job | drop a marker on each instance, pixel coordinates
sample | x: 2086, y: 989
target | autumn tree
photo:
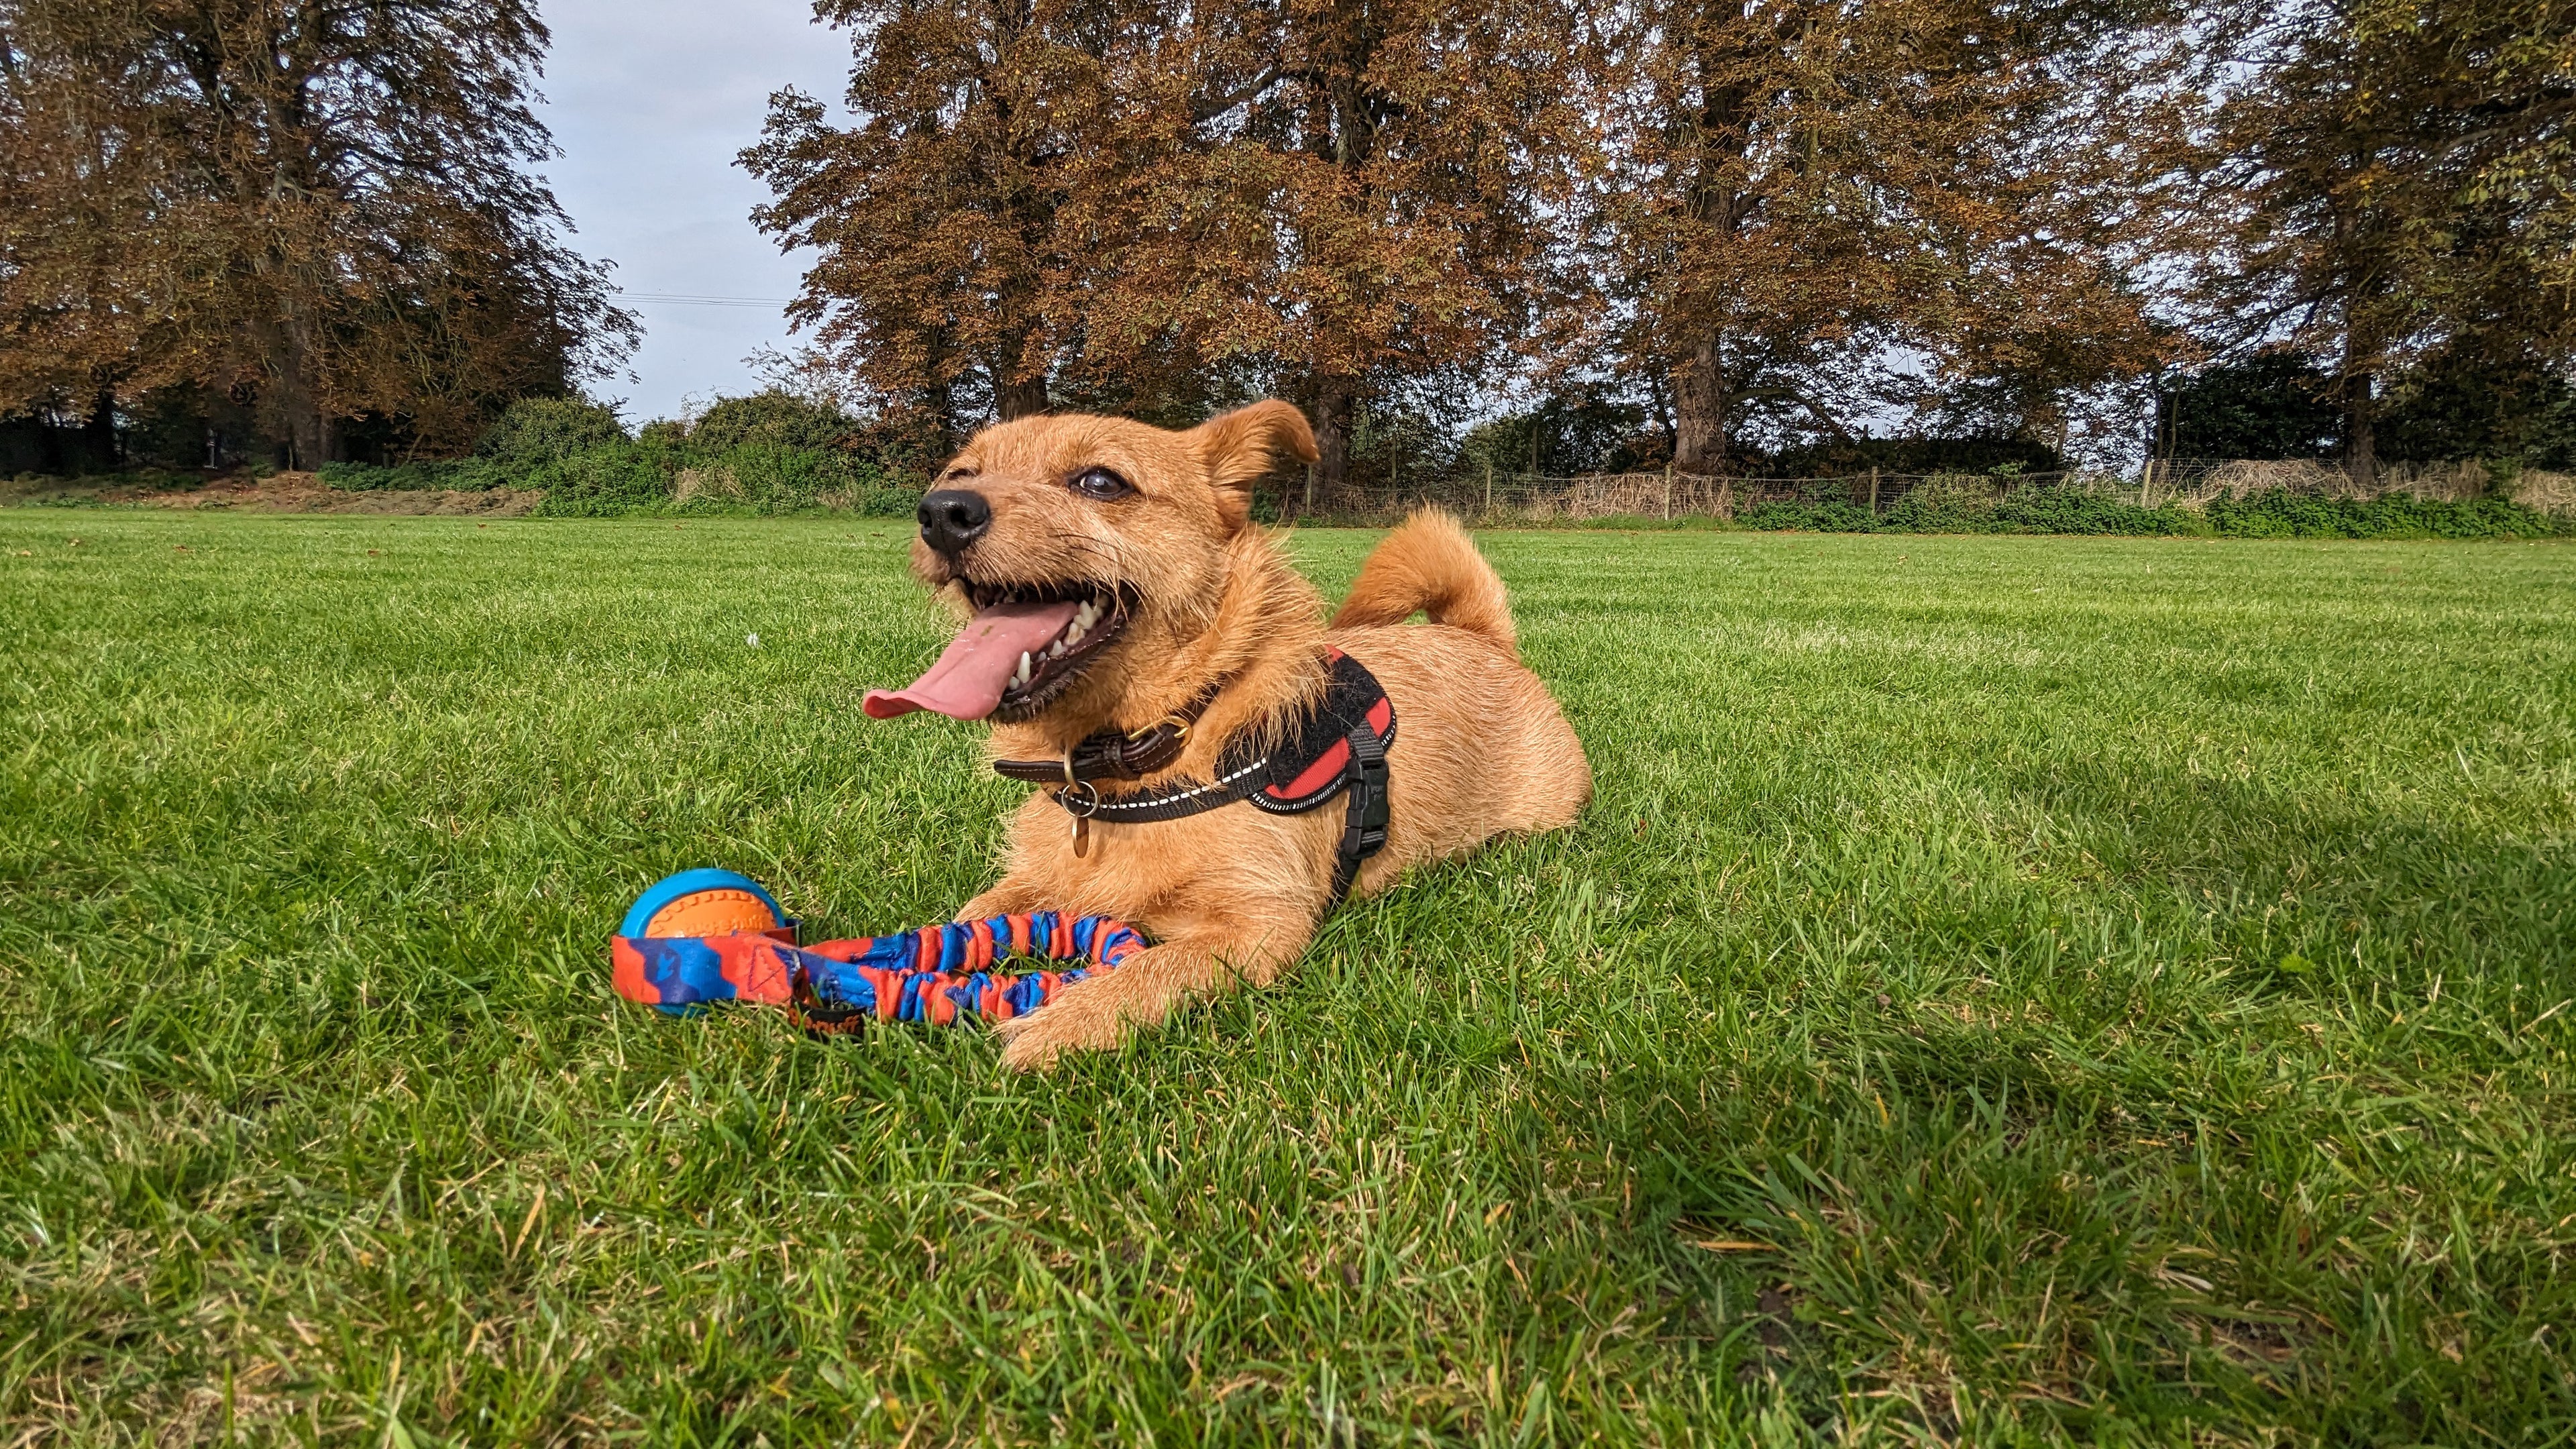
x: 1351, y: 194
x: 1137, y: 197
x: 323, y: 203
x: 84, y: 309
x: 942, y: 264
x: 2398, y: 185
x: 1801, y: 194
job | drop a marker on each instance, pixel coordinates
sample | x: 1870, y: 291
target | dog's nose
x: 952, y: 518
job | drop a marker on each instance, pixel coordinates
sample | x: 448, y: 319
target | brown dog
x: 1113, y: 579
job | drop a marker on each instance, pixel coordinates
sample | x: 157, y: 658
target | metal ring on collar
x: 1090, y: 802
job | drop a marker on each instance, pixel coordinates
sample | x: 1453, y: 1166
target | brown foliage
x: 2395, y: 179
x: 1356, y: 194
x: 1149, y: 203
x: 1155, y: 206
x: 321, y: 204
x: 1794, y: 188
x: 936, y: 214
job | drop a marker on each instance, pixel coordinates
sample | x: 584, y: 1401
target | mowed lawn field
x: 2007, y: 990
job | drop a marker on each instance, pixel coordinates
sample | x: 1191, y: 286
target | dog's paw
x: 1032, y: 1043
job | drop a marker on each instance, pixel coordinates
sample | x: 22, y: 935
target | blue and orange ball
x: 706, y: 902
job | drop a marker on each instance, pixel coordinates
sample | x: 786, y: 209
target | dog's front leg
x: 1010, y: 897
x: 1206, y: 957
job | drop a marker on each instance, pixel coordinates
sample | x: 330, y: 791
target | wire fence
x: 1670, y: 495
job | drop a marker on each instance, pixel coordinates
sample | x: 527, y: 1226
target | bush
x: 2283, y: 514
x: 465, y: 473
x: 1970, y: 506
x: 773, y: 419
x: 2275, y: 514
x: 765, y: 478
x: 2073, y: 510
x: 537, y: 431
x: 768, y: 453
x: 604, y: 482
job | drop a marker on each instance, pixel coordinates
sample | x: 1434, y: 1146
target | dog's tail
x: 1430, y: 566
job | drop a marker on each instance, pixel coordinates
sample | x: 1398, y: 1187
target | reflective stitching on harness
x: 1337, y: 746
x: 1156, y: 802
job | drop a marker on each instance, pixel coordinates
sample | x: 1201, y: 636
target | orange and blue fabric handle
x: 937, y: 974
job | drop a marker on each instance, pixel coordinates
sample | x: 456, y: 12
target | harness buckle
x: 1374, y: 817
x: 1366, y: 814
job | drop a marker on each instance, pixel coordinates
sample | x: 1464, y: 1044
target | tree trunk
x: 940, y: 402
x: 98, y: 434
x: 299, y: 412
x: 2360, y: 444
x: 303, y: 417
x: 1334, y: 397
x: 1022, y: 399
x: 2355, y: 374
x: 1700, y: 404
x: 939, y: 397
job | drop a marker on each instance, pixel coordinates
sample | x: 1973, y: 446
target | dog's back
x: 1481, y: 747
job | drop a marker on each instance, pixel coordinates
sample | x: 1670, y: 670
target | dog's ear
x: 1238, y: 449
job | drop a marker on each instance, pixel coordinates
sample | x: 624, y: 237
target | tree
x: 1801, y: 192
x: 942, y: 261
x: 2271, y: 405
x: 1159, y: 204
x: 1359, y: 195
x: 321, y: 202
x: 2398, y: 181
x: 2485, y: 404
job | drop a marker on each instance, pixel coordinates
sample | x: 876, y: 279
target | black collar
x: 1336, y: 744
x: 1116, y: 754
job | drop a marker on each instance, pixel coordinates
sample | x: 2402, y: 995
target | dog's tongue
x: 969, y: 679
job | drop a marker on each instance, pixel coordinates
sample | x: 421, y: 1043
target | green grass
x: 2121, y: 985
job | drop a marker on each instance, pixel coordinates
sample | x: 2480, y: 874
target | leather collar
x: 1115, y: 754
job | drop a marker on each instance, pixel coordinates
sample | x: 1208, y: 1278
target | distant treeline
x: 1727, y: 238
x: 775, y: 452
x: 768, y: 453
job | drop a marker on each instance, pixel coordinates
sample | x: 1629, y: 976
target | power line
x: 688, y: 299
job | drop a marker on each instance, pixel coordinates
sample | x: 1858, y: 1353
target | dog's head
x: 1087, y: 550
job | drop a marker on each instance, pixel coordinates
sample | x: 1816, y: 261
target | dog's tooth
x: 1023, y: 676
x: 1056, y: 650
x: 1086, y: 616
x: 1073, y: 635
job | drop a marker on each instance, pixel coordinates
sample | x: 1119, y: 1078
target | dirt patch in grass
x: 277, y: 493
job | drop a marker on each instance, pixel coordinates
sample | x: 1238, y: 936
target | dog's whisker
x: 1117, y: 581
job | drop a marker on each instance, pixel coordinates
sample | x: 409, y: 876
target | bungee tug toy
x: 707, y: 936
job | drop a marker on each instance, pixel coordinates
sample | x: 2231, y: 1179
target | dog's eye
x: 1100, y: 484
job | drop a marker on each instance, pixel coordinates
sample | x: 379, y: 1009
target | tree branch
x: 1215, y: 106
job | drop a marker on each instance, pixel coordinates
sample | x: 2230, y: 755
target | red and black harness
x: 1336, y: 747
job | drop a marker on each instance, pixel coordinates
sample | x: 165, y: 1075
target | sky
x: 649, y: 100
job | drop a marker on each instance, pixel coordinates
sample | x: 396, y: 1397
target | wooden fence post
x: 1489, y: 487
x: 1873, y: 489
x: 1668, y: 493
